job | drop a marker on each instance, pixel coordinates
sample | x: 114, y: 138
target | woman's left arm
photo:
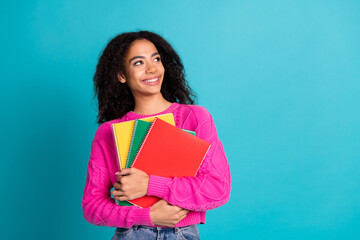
x: 210, y: 188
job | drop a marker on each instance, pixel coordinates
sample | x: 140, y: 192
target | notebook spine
x: 131, y: 143
x: 117, y: 147
x: 142, y: 145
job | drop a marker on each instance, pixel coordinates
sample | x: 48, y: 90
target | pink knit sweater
x: 209, y: 189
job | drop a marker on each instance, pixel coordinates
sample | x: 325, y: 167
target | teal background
x: 281, y: 79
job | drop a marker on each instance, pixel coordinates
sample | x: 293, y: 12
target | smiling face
x: 144, y: 71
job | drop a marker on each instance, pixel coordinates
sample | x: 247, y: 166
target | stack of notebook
x: 155, y: 146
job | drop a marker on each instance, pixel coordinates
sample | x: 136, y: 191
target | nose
x: 151, y: 68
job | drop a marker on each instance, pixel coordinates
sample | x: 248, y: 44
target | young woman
x: 140, y: 75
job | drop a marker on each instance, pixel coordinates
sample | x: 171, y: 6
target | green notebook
x: 123, y: 203
x: 139, y: 133
x: 191, y: 132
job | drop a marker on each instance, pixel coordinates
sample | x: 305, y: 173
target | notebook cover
x: 139, y: 133
x: 191, y: 132
x: 122, y: 135
x: 123, y: 203
x: 168, y: 151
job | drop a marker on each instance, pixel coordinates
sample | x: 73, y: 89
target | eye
x: 137, y: 63
x: 157, y: 59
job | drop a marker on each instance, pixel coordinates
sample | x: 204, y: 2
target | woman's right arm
x: 99, y: 207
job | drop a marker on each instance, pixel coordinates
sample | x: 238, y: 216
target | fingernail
x: 117, y: 173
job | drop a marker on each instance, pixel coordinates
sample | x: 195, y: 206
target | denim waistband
x: 158, y: 229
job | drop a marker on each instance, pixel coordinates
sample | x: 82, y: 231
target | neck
x: 151, y: 105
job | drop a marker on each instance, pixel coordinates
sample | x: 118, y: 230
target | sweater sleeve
x: 98, y: 206
x: 210, y: 188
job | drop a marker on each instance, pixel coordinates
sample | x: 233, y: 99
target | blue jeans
x: 158, y: 233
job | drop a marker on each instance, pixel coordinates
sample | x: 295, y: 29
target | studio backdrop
x: 280, y: 78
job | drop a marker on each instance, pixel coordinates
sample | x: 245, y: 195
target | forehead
x: 141, y: 47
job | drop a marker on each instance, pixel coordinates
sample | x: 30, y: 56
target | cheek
x: 135, y: 75
x: 162, y: 69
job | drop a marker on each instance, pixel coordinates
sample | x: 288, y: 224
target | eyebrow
x: 136, y: 57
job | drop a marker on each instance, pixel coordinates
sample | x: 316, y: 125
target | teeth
x: 151, y: 80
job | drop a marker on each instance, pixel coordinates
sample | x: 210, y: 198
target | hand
x: 132, y: 183
x: 164, y: 214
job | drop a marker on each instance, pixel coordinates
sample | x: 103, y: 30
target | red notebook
x: 168, y: 151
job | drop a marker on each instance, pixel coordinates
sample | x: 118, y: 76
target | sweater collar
x: 132, y: 115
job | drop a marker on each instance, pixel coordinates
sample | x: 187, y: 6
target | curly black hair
x: 116, y: 99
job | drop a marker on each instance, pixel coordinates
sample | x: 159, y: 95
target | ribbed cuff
x: 142, y: 217
x: 192, y: 218
x: 158, y: 186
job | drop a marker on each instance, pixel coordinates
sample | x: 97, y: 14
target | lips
x: 151, y: 81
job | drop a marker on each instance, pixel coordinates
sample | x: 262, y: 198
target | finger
x: 181, y: 218
x: 113, y: 193
x: 118, y: 176
x: 116, y: 193
x: 126, y: 171
x: 122, y: 198
x: 117, y: 186
x: 176, y: 208
x: 184, y: 212
x: 117, y: 198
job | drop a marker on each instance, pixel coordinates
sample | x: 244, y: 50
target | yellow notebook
x: 122, y: 134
